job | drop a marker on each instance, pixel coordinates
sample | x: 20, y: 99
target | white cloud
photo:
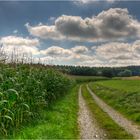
x: 44, y: 31
x: 79, y: 49
x: 21, y: 50
x: 119, y: 54
x: 107, y: 54
x: 76, y: 53
x: 113, y: 24
x: 56, y: 51
x: 19, y: 47
x: 111, y: 54
x: 18, y: 41
x: 114, y: 50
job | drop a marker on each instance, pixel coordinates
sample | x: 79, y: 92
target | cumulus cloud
x: 117, y: 23
x: 115, y: 50
x: 76, y: 53
x: 119, y: 54
x: 59, y: 51
x: 19, y: 45
x: 79, y: 49
x: 44, y: 31
x: 136, y: 48
x: 112, y: 24
x: 107, y: 54
x: 56, y: 51
x: 18, y: 41
x: 76, y: 28
x: 112, y: 54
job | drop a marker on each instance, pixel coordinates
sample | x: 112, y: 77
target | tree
x: 125, y: 73
x: 107, y: 72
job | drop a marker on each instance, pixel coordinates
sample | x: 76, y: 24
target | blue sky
x: 14, y: 14
x: 58, y: 32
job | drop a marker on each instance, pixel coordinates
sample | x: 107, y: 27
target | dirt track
x: 89, y: 128
x: 117, y: 117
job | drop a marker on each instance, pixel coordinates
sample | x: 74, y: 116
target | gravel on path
x: 89, y: 128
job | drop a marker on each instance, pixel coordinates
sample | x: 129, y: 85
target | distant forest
x: 100, y: 71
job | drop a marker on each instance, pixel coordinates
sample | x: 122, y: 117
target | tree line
x: 100, y: 71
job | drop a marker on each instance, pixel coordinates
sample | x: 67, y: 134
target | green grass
x: 60, y: 122
x: 125, y: 85
x: 123, y: 95
x: 81, y: 79
x: 112, y: 130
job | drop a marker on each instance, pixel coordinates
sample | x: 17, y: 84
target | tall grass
x: 57, y: 122
x: 25, y: 91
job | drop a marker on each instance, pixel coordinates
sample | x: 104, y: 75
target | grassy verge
x: 112, y: 130
x: 122, y: 95
x: 58, y: 122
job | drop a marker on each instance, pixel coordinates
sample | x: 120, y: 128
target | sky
x: 84, y: 32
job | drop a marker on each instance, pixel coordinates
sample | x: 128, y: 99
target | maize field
x: 26, y: 90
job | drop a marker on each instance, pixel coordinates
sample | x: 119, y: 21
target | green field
x: 125, y: 85
x: 123, y: 95
x: 113, y: 130
x: 81, y: 79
